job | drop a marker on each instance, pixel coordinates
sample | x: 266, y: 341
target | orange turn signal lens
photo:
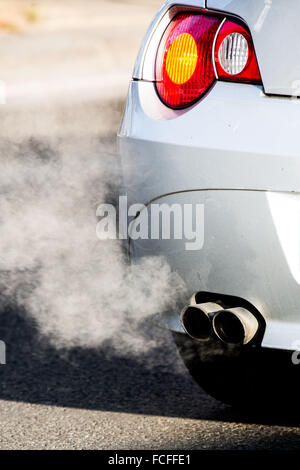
x: 184, y: 67
x: 181, y: 60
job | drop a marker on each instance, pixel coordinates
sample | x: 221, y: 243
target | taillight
x: 193, y: 49
x: 235, y: 57
x: 184, y: 69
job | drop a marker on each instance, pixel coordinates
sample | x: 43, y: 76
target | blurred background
x: 60, y: 50
x: 72, y: 44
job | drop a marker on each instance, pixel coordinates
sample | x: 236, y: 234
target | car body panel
x: 237, y: 152
x: 274, y: 25
x: 235, y: 137
x: 248, y: 239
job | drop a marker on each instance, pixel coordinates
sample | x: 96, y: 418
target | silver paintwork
x: 235, y: 137
x: 242, y: 256
x: 274, y: 25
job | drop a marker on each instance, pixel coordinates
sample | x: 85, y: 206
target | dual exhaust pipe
x: 232, y: 326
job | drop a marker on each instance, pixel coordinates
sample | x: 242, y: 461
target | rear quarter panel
x: 274, y: 25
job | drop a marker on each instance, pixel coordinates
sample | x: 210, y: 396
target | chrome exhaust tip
x: 193, y: 300
x: 196, y: 320
x: 235, y: 325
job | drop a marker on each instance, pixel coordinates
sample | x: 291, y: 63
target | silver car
x: 212, y: 120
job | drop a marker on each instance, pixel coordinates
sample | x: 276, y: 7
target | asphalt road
x: 100, y: 397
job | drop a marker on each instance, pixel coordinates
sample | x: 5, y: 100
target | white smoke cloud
x: 79, y: 290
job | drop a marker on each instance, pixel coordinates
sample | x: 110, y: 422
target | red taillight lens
x: 235, y: 57
x: 184, y: 67
x: 192, y: 48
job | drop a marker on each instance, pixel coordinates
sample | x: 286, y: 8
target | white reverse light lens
x: 233, y: 53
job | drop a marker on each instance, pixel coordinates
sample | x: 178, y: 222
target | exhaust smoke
x: 79, y: 290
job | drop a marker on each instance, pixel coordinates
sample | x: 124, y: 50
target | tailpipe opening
x: 197, y: 320
x: 235, y: 325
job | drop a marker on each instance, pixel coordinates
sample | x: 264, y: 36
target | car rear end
x: 212, y: 119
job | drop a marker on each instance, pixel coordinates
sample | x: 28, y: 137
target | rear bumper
x: 237, y: 153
